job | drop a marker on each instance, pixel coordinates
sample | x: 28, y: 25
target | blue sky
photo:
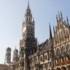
x: 12, y: 14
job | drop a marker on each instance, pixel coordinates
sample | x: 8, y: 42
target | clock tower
x: 28, y: 44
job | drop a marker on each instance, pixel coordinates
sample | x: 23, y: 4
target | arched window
x: 41, y: 58
x: 58, y: 53
x: 63, y: 51
x: 45, y: 56
x: 67, y: 47
x: 55, y: 53
x: 68, y: 51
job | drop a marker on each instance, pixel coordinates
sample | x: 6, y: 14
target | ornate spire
x: 67, y: 20
x: 28, y: 4
x: 50, y: 31
x: 53, y: 29
x: 33, y: 20
x: 28, y: 13
x: 59, y: 17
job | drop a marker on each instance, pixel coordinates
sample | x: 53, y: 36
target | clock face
x: 24, y: 29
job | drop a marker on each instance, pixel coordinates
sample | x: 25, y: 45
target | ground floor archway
x: 58, y: 69
x: 63, y: 68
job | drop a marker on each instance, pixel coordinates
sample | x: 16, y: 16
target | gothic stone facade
x: 53, y: 54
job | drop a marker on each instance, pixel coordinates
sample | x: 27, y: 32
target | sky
x: 12, y: 14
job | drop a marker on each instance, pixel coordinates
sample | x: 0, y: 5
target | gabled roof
x: 45, y: 46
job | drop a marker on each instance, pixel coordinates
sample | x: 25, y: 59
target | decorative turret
x: 53, y: 30
x: 59, y: 17
x: 28, y: 15
x: 8, y: 55
x: 67, y: 20
x: 50, y: 32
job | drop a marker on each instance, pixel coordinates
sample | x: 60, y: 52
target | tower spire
x: 28, y: 6
x: 28, y: 3
x: 28, y: 13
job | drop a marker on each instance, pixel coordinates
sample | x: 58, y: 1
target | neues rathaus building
x: 53, y: 54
